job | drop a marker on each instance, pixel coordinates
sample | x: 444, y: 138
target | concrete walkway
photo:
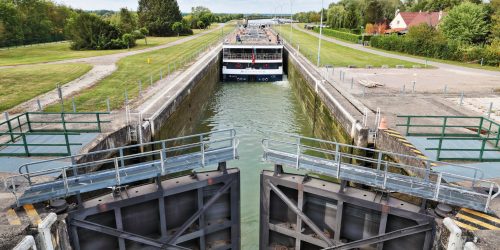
x: 448, y: 67
x: 103, y: 66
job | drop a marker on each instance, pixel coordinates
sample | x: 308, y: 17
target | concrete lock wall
x: 341, y: 109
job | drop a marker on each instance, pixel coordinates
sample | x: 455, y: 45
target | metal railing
x: 249, y: 56
x: 14, y: 132
x: 481, y: 149
x: 482, y: 130
x: 127, y: 164
x: 453, y: 126
x: 348, y: 162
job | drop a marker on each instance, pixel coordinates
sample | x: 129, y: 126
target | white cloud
x: 225, y: 6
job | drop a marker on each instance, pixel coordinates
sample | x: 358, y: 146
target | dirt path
x: 103, y: 66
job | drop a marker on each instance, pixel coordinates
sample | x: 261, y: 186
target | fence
x: 128, y: 164
x: 16, y: 131
x: 352, y: 163
x: 479, y: 134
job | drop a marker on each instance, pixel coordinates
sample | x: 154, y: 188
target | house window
x: 397, y: 22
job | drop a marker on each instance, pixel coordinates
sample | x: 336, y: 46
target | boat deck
x: 253, y: 35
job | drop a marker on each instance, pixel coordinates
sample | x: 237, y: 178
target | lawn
x: 468, y: 65
x: 334, y: 54
x: 134, y: 68
x: 23, y: 83
x: 61, y: 51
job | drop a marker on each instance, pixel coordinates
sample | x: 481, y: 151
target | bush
x: 354, y: 38
x: 436, y: 46
x: 88, y: 31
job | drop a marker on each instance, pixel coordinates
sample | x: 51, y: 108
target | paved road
x: 103, y: 66
x: 443, y: 66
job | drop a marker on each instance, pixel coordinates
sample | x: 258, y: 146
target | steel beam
x: 384, y: 237
x: 304, y: 217
x: 124, y: 235
x: 200, y: 211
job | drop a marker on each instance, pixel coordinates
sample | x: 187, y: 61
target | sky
x: 217, y: 6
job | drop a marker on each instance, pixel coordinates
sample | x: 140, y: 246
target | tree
x: 89, y: 31
x: 145, y: 32
x: 125, y: 20
x: 374, y: 12
x: 158, y: 16
x: 177, y: 28
x: 466, y: 23
x: 10, y: 25
x: 336, y: 16
x: 495, y: 18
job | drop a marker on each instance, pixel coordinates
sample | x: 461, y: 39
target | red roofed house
x: 405, y: 20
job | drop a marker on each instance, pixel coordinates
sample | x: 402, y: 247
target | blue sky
x: 228, y: 6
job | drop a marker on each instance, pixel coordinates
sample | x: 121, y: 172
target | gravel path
x: 103, y: 66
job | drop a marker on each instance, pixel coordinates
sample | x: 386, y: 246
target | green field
x: 134, y: 68
x: 468, y: 65
x: 61, y: 51
x: 21, y: 84
x: 334, y: 54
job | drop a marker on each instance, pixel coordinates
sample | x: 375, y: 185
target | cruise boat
x: 253, y: 53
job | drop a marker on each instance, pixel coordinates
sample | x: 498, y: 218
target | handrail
x: 339, y: 158
x: 220, y: 144
x: 73, y: 157
x: 443, y: 122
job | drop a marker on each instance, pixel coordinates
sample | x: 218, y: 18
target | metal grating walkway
x: 293, y: 151
x: 172, y: 156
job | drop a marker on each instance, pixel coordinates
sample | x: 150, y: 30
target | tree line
x: 469, y: 30
x: 36, y: 21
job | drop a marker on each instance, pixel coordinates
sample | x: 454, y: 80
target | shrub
x: 354, y: 38
x: 436, y: 46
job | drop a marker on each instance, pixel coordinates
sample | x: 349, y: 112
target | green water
x: 251, y: 108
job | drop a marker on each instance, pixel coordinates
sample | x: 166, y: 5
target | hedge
x: 440, y: 49
x: 354, y: 38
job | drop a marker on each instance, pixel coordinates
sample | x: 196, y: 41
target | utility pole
x: 291, y: 22
x: 320, y: 36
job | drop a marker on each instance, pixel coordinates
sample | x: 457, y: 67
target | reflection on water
x: 251, y: 108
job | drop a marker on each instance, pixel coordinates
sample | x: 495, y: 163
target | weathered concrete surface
x: 347, y: 111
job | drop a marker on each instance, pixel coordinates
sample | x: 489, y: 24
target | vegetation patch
x: 21, y: 84
x: 136, y: 68
x: 334, y: 54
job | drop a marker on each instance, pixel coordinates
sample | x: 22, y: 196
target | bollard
x: 44, y: 237
x: 108, y: 107
x: 73, y: 104
x: 445, y: 89
x: 161, y: 74
x: 352, y: 82
x: 490, y: 109
x: 403, y: 89
x: 413, y: 89
x: 462, y: 99
x: 482, y: 59
x: 140, y: 88
x: 39, y: 104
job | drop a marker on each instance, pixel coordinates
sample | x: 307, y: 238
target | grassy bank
x: 334, y: 54
x: 21, y: 84
x: 61, y: 51
x: 468, y: 65
x: 134, y: 68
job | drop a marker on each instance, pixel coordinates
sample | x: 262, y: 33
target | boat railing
x: 249, y: 56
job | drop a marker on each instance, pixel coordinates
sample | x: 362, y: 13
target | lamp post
x: 320, y: 35
x: 291, y: 22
